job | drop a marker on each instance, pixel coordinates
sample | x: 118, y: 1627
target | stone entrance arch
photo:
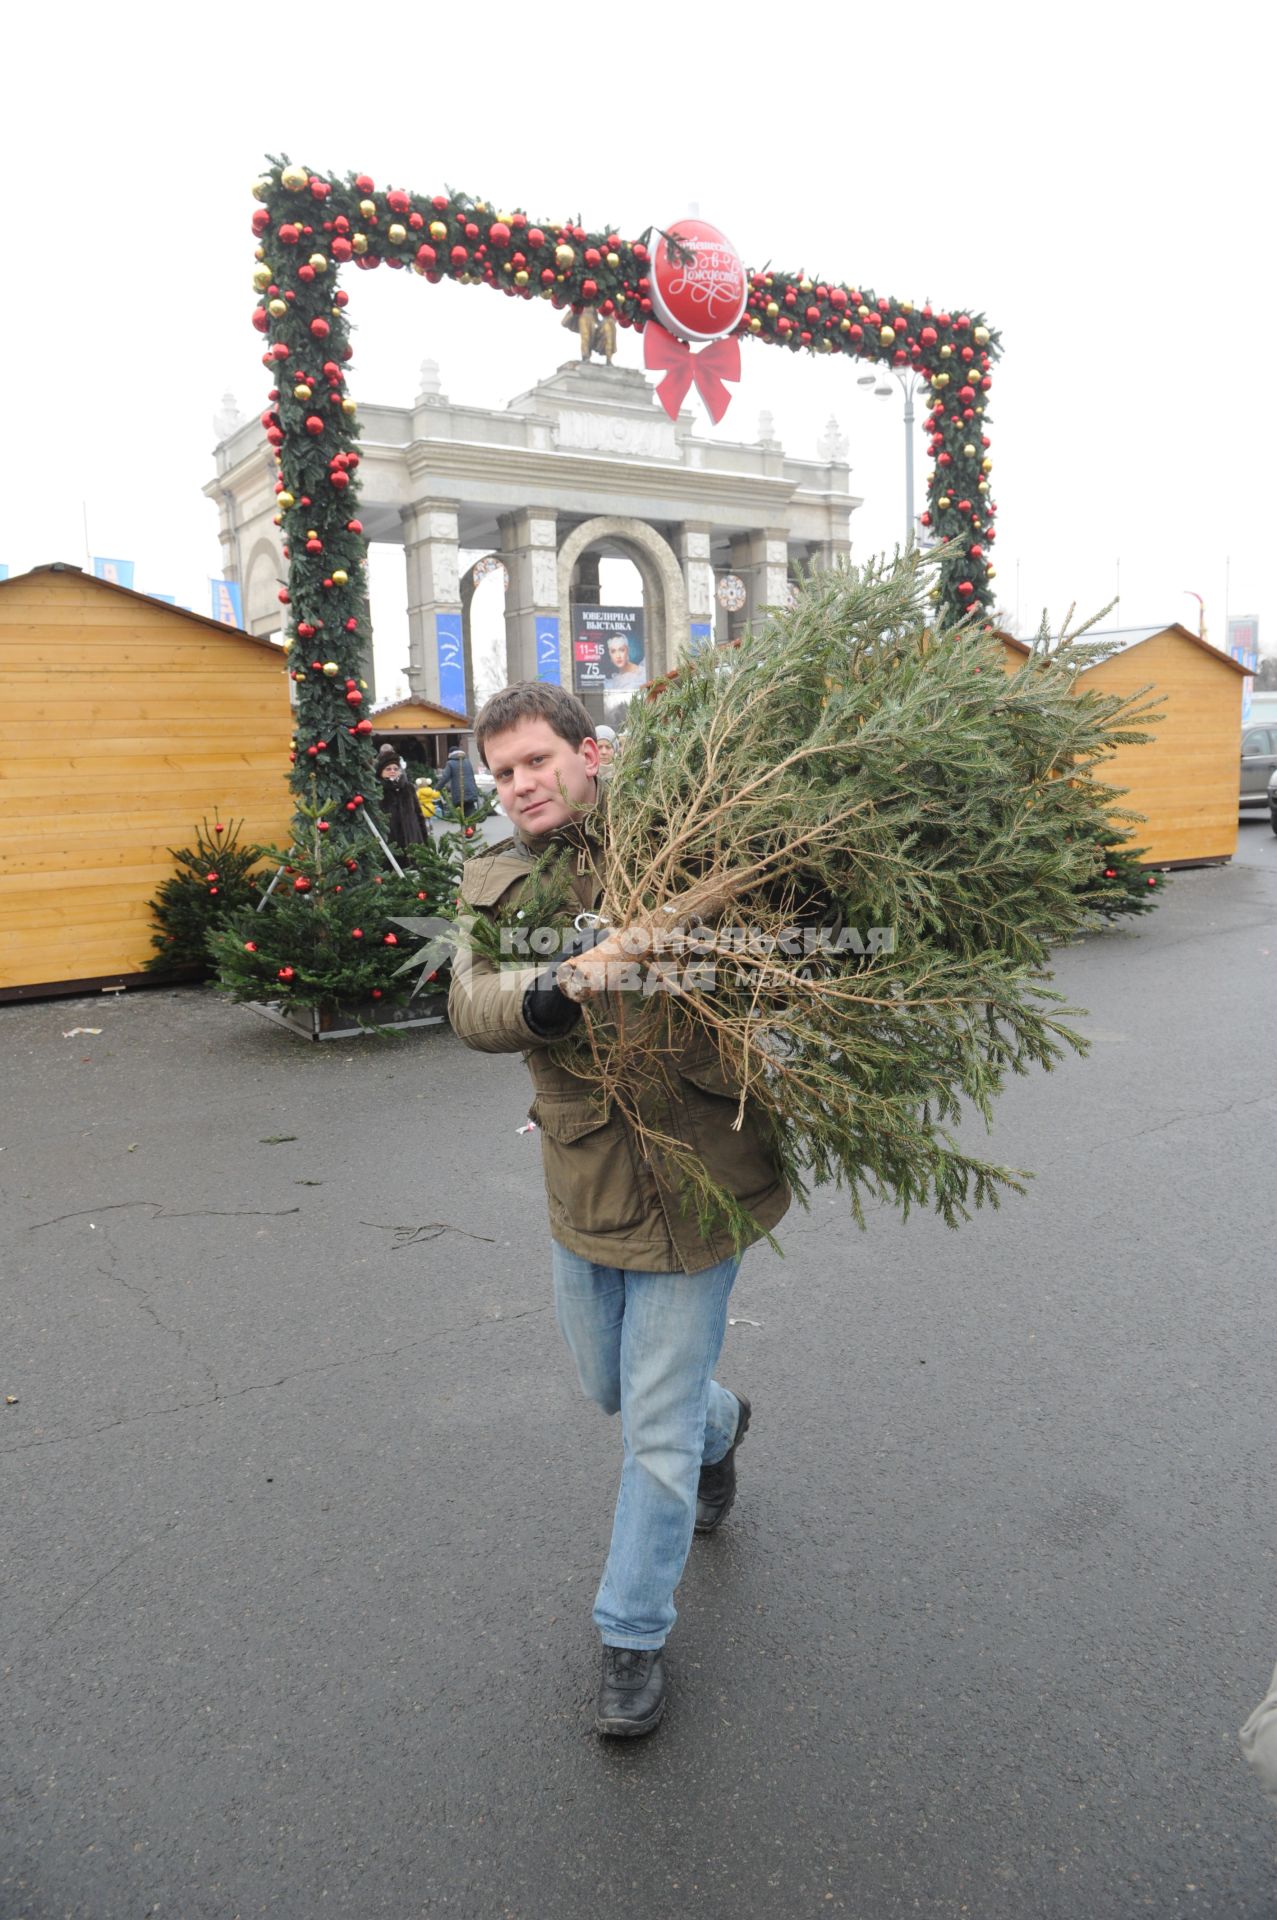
x: 664, y: 594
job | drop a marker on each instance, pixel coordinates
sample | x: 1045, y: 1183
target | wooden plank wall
x: 124, y: 725
x: 1185, y: 779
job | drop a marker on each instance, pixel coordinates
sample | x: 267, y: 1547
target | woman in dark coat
x: 405, y: 825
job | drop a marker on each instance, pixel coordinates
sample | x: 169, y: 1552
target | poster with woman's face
x: 609, y: 655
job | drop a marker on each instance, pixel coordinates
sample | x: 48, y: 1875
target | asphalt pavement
x: 303, y: 1512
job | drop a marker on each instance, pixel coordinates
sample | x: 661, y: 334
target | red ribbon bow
x: 719, y: 361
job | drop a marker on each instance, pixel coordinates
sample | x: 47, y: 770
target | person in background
x: 606, y: 737
x: 459, y: 784
x: 404, y: 824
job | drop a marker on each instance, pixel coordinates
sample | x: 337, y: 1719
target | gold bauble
x: 981, y: 336
x: 340, y: 576
x: 319, y: 261
x: 943, y: 501
x: 364, y: 683
x: 942, y: 379
x: 986, y: 465
x: 906, y: 306
x: 438, y: 231
x: 261, y: 188
x: 301, y: 393
x: 296, y: 179
x: 521, y: 277
x: 368, y: 208
x: 259, y: 253
x: 278, y: 307
x: 359, y: 242
x: 396, y: 234
x: 262, y: 277
x: 614, y: 259
x: 969, y: 451
x: 886, y: 335
x: 863, y: 312
x: 755, y: 324
x: 348, y: 405
x: 330, y: 666
x: 845, y: 326
x: 772, y: 309
x: 804, y: 286
x: 286, y: 501
x: 982, y: 486
x: 946, y: 353
x: 991, y: 573
x: 565, y: 255
x: 277, y: 519
x: 288, y: 643
x: 312, y: 533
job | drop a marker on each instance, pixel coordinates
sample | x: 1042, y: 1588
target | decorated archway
x: 310, y: 225
x: 664, y: 595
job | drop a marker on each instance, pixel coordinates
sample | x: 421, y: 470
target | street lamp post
x: 907, y: 379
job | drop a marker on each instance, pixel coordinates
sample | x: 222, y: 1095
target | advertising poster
x: 609, y: 656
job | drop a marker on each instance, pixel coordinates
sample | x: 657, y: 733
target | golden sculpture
x: 596, y: 332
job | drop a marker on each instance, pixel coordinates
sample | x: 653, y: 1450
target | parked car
x: 1272, y: 801
x: 1259, y: 762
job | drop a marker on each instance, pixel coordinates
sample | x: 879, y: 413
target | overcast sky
x: 1091, y: 178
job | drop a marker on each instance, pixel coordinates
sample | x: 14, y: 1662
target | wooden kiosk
x: 127, y: 721
x: 1185, y: 780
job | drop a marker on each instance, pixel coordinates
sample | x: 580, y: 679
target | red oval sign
x: 699, y: 287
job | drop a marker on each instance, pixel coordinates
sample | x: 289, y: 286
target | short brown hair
x: 533, y: 700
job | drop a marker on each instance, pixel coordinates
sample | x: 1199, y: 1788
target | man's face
x: 542, y: 780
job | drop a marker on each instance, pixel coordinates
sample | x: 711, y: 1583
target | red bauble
x: 314, y: 424
x: 354, y: 526
x: 261, y: 319
x: 342, y: 248
x: 301, y: 884
x: 976, y: 552
x: 364, y: 182
x: 588, y: 289
x: 283, y: 596
x: 289, y: 235
x: 426, y: 256
x: 391, y: 940
x: 375, y: 994
x: 469, y: 833
x: 928, y: 336
x: 250, y: 946
x: 356, y: 933
x: 398, y: 201
x: 499, y: 233
x: 458, y: 256
x: 965, y: 588
x: 285, y: 973
x: 320, y: 327
x: 339, y: 479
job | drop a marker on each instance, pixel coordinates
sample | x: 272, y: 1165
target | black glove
x: 549, y: 1013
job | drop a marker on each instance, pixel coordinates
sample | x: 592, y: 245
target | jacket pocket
x: 591, y: 1175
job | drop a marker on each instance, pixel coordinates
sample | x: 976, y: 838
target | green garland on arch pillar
x: 310, y: 225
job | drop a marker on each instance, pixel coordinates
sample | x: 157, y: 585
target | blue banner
x: 118, y: 572
x: 452, y: 669
x: 547, y: 630
x: 4, y: 569
x: 227, y: 609
x: 702, y: 634
x: 169, y: 599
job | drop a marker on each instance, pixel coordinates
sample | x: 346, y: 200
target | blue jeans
x: 645, y: 1345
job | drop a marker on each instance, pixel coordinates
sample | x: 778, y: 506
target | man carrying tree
x: 641, y: 1288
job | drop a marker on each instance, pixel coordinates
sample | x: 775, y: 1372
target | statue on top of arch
x: 596, y: 332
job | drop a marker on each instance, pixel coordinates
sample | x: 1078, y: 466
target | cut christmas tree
x: 843, y: 851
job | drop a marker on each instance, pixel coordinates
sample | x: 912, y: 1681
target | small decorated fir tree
x: 213, y: 881
x: 325, y: 934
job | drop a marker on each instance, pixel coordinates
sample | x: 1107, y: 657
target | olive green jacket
x: 608, y: 1203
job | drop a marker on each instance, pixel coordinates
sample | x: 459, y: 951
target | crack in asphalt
x: 93, y: 1585
x: 163, y: 1213
x: 218, y: 1396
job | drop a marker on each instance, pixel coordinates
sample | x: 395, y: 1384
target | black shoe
x: 717, y: 1488
x: 631, y: 1692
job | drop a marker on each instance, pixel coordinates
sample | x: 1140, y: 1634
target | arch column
x: 534, y: 633
x: 436, y: 655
